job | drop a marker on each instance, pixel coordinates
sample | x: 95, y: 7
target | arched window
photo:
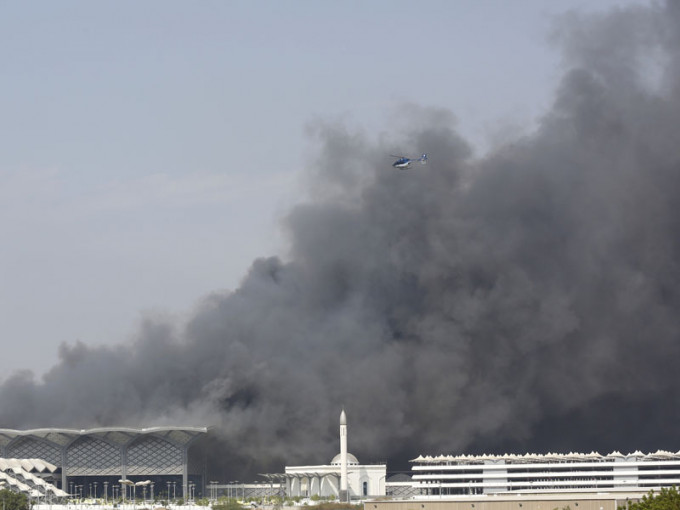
x: 365, y: 489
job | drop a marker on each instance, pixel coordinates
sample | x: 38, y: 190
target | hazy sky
x: 148, y: 150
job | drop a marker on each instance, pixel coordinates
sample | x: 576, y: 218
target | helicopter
x: 404, y: 162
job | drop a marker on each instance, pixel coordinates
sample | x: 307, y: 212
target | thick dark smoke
x: 527, y: 300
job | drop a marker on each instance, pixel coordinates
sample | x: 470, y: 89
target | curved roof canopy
x: 120, y: 435
x: 30, y: 465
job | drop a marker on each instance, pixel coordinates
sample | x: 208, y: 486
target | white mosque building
x: 344, y: 478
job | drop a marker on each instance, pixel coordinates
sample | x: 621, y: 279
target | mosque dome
x: 351, y: 460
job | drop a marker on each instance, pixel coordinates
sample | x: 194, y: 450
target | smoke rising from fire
x: 525, y: 300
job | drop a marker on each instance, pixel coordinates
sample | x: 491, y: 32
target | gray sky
x: 149, y: 150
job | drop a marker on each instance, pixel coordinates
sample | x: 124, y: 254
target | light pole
x: 213, y: 485
x: 125, y: 482
x: 106, y: 492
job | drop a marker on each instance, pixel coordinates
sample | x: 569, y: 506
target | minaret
x: 343, y: 457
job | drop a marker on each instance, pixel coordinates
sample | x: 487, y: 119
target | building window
x: 365, y: 488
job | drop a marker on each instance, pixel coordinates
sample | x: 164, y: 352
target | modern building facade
x: 447, y: 475
x: 92, y: 463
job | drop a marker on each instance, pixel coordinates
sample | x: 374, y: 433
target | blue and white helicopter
x: 404, y: 162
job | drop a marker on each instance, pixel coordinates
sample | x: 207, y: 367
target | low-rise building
x: 447, y: 475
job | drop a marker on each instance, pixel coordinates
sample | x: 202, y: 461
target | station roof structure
x: 180, y: 436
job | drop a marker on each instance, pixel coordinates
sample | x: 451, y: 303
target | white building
x: 325, y: 480
x: 574, y: 472
x: 361, y: 481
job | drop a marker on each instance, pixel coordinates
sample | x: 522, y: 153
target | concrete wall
x: 575, y: 502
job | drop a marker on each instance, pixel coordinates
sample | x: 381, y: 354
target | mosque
x: 344, y: 478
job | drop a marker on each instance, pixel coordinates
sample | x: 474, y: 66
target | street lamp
x: 106, y: 492
x: 142, y: 484
x: 124, y: 482
x: 213, y: 490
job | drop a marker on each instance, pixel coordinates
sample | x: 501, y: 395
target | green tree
x: 667, y: 499
x: 13, y: 500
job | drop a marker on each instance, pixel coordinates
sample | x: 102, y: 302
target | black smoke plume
x: 524, y: 300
